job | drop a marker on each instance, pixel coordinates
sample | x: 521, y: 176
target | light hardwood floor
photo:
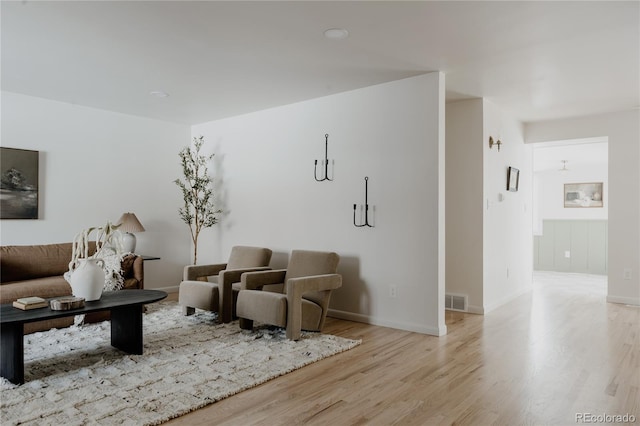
x: 542, y: 359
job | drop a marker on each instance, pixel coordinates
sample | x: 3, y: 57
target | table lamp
x: 129, y: 223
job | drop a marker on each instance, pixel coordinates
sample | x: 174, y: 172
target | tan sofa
x: 37, y: 270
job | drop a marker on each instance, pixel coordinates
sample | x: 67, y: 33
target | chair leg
x: 224, y: 317
x: 294, y: 316
x: 246, y: 324
x: 233, y: 305
x: 293, y: 332
x: 187, y: 310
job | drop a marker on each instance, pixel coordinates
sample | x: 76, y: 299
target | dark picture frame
x: 18, y: 183
x: 513, y: 179
x: 584, y: 195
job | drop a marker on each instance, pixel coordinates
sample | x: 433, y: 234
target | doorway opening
x: 570, y: 212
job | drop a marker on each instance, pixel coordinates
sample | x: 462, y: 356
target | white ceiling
x: 583, y: 154
x: 538, y: 60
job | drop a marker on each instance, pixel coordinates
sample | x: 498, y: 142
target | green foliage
x: 199, y: 211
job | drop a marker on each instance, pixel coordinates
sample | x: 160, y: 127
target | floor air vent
x: 455, y: 302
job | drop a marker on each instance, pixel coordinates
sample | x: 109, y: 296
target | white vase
x: 87, y: 280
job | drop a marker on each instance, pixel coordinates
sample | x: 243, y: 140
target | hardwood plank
x: 541, y: 359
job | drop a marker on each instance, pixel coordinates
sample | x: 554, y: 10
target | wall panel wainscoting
x: 572, y: 246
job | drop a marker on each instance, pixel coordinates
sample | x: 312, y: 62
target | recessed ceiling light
x: 159, y: 93
x: 336, y: 33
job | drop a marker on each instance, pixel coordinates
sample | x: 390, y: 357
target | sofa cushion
x: 266, y: 307
x: 42, y: 287
x: 37, y: 261
x: 32, y: 327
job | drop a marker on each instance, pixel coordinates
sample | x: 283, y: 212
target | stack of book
x: 27, y: 303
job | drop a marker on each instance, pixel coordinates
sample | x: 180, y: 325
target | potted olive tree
x: 198, y: 211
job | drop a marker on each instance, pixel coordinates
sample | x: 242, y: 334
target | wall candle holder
x: 494, y: 142
x: 326, y: 162
x: 366, y: 207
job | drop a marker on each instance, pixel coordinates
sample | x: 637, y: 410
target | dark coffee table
x: 126, y: 308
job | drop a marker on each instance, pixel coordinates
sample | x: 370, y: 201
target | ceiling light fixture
x: 159, y: 93
x: 336, y: 33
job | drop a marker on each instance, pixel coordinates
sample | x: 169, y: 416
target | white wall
x: 508, y: 240
x: 623, y: 132
x: 489, y: 242
x: 549, y: 202
x: 392, y: 133
x: 94, y: 166
x: 464, y: 165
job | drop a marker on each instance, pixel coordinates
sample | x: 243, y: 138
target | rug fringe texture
x: 73, y: 376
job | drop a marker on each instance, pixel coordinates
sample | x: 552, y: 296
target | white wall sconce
x: 496, y: 142
x: 365, y: 207
x: 324, y: 162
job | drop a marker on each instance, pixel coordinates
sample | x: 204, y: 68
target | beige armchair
x: 302, y: 305
x: 215, y: 294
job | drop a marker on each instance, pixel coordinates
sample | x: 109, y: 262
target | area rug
x: 74, y: 377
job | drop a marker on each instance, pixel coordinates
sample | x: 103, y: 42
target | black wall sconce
x: 366, y: 207
x: 496, y: 142
x: 326, y: 162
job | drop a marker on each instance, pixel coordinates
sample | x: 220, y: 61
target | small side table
x: 146, y: 257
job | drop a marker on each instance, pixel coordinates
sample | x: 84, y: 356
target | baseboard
x: 506, y: 299
x: 475, y: 309
x: 366, y: 319
x: 634, y: 301
x: 172, y: 289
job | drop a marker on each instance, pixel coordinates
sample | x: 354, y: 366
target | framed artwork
x: 582, y: 195
x: 513, y: 179
x: 18, y: 183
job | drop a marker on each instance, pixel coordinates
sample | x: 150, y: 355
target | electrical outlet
x: 567, y: 254
x: 393, y: 291
x: 626, y: 273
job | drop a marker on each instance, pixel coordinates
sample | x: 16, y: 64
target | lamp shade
x: 130, y: 223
